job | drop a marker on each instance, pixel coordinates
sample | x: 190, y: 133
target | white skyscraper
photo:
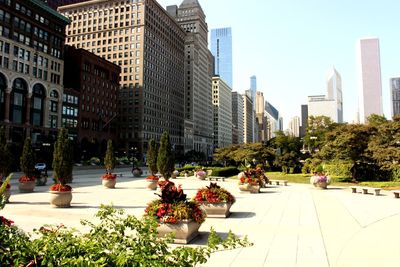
x: 294, y: 126
x: 369, y: 76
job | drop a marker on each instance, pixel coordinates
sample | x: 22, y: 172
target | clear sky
x: 291, y: 45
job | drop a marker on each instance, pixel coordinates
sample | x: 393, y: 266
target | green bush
x: 395, y: 174
x: 117, y: 240
x: 338, y: 168
x: 188, y: 167
x: 224, y: 171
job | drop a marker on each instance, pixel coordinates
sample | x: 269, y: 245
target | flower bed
x: 25, y: 179
x: 109, y: 176
x: 214, y: 194
x: 60, y: 188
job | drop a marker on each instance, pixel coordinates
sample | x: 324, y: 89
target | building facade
x: 221, y: 48
x: 32, y: 40
x: 304, y: 120
x: 248, y: 118
x: 198, y: 74
x: 294, y: 126
x: 261, y: 120
x: 222, y: 101
x: 237, y: 118
x: 56, y: 3
x: 369, y: 78
x: 272, y: 115
x: 395, y: 95
x: 91, y: 86
x: 148, y: 45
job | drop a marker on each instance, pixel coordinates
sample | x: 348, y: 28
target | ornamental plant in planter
x: 216, y: 201
x: 152, y: 179
x: 27, y: 164
x: 175, y: 213
x: 252, y: 180
x: 165, y: 157
x: 60, y: 192
x: 200, y: 174
x: 109, y: 180
x: 320, y: 180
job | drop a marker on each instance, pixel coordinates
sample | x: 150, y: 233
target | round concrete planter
x: 321, y: 185
x: 184, y: 231
x: 174, y: 174
x: 254, y: 189
x: 26, y: 187
x: 216, y: 210
x: 60, y: 199
x: 109, y: 183
x: 152, y: 184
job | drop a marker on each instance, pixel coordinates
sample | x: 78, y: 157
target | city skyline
x: 291, y: 46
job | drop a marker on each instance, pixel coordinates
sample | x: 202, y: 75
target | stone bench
x: 365, y: 190
x: 215, y: 178
x: 118, y: 174
x: 278, y: 182
x: 396, y: 193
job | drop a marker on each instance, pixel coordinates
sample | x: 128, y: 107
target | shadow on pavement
x: 241, y: 215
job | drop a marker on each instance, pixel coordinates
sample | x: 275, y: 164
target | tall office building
x: 369, y: 76
x: 198, y: 73
x: 32, y: 40
x: 148, y: 45
x: 221, y: 48
x: 331, y: 104
x: 222, y: 101
x: 237, y: 118
x: 260, y: 119
x: 294, y: 126
x: 248, y: 118
x: 395, y: 88
x: 56, y: 3
x: 272, y: 115
x: 304, y: 120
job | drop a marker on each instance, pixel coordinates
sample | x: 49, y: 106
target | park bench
x: 396, y: 193
x: 365, y: 190
x: 118, y: 174
x: 278, y: 182
x: 215, y: 178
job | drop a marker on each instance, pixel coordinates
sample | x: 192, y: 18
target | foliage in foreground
x: 118, y: 240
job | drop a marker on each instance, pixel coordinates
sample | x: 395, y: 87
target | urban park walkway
x: 293, y: 225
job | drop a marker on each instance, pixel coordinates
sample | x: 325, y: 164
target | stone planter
x: 7, y: 194
x: 174, y: 174
x: 109, y: 183
x: 216, y: 210
x: 184, y: 231
x: 321, y: 185
x: 201, y: 176
x: 152, y: 184
x: 254, y: 189
x: 26, y: 187
x: 60, y: 199
x: 136, y: 173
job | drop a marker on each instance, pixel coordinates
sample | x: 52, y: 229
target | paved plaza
x: 293, y: 225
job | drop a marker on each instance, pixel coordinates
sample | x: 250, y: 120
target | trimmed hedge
x: 224, y: 171
x: 338, y: 168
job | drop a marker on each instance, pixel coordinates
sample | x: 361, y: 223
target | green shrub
x: 188, y: 167
x: 395, y: 174
x: 224, y: 171
x: 117, y: 240
x: 338, y: 168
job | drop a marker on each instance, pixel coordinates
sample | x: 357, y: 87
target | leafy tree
x: 376, y: 120
x: 348, y: 143
x: 6, y: 158
x: 318, y: 127
x: 195, y: 156
x: 225, y: 154
x: 27, y: 160
x: 152, y: 156
x: 109, y: 159
x: 63, y: 158
x: 384, y: 146
x: 287, y: 151
x: 165, y: 159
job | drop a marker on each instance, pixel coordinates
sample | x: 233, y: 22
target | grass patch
x: 387, y: 185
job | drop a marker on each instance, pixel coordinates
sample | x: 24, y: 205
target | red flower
x: 109, y: 176
x: 152, y: 178
x: 60, y: 188
x: 5, y: 221
x: 25, y: 179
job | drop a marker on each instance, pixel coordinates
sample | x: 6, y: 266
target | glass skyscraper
x: 221, y: 48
